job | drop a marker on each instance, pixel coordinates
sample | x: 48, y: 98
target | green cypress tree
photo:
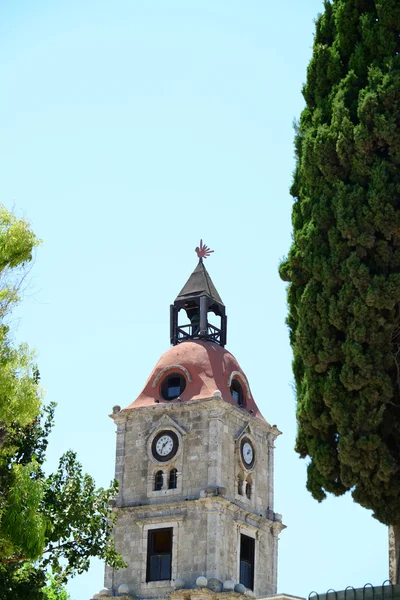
x: 344, y: 263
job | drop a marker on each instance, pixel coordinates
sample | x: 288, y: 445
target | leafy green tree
x: 73, y: 518
x: 20, y: 395
x: 48, y: 524
x: 28, y: 582
x: 55, y: 591
x: 344, y: 263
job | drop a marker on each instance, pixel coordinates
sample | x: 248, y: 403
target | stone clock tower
x: 195, y: 464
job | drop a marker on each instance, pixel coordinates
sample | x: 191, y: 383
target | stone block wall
x: 205, y: 510
x: 206, y: 534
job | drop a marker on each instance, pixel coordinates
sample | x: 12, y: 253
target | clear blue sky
x: 129, y: 130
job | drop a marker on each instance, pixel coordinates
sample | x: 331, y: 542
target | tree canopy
x: 55, y: 522
x: 343, y: 267
x: 20, y: 395
x: 49, y: 524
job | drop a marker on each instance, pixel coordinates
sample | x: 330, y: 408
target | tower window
x: 237, y: 392
x: 248, y: 489
x: 173, y: 479
x: 240, y: 485
x: 247, y: 545
x: 173, y: 386
x: 158, y: 481
x: 159, y: 554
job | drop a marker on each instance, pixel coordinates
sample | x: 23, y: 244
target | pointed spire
x: 199, y: 284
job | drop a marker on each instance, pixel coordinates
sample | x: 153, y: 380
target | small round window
x: 173, y: 386
x: 237, y: 392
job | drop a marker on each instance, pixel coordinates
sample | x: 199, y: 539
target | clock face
x: 165, y: 445
x: 247, y: 452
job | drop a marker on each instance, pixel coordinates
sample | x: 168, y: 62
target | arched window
x: 248, y: 489
x: 240, y: 484
x: 237, y: 392
x: 158, y: 481
x: 173, y: 386
x: 173, y: 479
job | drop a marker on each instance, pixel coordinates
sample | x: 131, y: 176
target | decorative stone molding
x: 201, y: 404
x: 165, y: 421
x: 119, y: 597
x: 282, y: 597
x: 244, y: 429
x: 154, y: 521
x: 119, y: 417
x: 178, y: 510
x: 205, y: 594
x: 238, y: 375
x: 277, y: 527
x: 172, y: 368
x: 175, y: 463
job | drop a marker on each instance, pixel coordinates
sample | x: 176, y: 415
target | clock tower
x: 195, y: 465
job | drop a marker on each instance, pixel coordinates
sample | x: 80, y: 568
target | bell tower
x: 195, y: 465
x: 198, y: 298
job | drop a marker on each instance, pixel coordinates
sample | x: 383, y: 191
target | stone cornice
x: 204, y: 594
x: 205, y: 403
x: 161, y: 519
x: 190, y: 594
x: 178, y: 510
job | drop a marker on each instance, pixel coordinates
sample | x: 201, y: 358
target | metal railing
x: 386, y: 591
x: 192, y: 332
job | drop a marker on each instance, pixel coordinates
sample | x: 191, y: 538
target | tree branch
x: 25, y: 558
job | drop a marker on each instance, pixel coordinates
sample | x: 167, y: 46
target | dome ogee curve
x: 207, y: 367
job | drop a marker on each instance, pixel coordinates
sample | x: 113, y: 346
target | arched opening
x: 173, y: 479
x: 237, y: 392
x: 158, y: 481
x: 248, y: 488
x: 214, y: 319
x: 189, y: 321
x: 215, y: 324
x: 173, y: 386
x: 240, y: 484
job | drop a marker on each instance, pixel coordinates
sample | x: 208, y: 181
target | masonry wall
x: 205, y: 510
x: 205, y: 542
x: 191, y: 462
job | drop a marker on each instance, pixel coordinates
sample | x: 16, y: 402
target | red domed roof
x: 207, y: 367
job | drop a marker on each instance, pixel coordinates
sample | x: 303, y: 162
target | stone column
x: 394, y: 552
x: 215, y: 449
x: 276, y: 528
x: 203, y: 315
x: 120, y: 457
x: 120, y: 421
x: 213, y: 542
x: 271, y: 447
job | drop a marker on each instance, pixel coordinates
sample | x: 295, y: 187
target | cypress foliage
x: 344, y: 263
